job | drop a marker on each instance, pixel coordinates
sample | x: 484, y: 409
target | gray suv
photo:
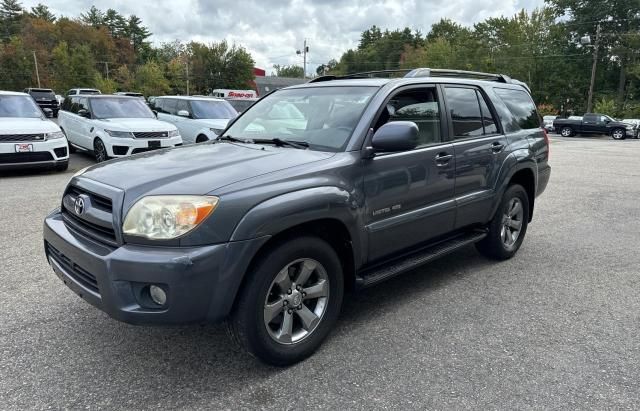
x: 317, y: 189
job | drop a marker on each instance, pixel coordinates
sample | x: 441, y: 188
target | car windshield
x: 212, y: 109
x: 120, y: 107
x: 90, y: 92
x: 322, y: 117
x: 19, y: 106
x: 48, y: 94
x: 241, y: 105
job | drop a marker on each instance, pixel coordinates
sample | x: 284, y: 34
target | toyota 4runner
x: 320, y: 188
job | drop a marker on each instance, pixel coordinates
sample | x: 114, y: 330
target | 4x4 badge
x: 78, y: 206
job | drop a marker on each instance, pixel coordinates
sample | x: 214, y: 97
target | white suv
x: 114, y: 126
x: 27, y: 138
x: 198, y: 118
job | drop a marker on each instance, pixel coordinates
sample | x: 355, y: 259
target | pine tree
x: 41, y: 11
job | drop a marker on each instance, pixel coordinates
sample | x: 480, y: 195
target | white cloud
x: 272, y: 30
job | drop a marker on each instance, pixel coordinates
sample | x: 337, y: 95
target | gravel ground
x: 555, y: 327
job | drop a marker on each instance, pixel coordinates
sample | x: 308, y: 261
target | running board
x: 405, y: 263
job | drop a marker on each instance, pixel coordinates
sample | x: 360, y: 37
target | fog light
x: 157, y: 295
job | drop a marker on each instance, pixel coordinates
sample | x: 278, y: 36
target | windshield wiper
x: 302, y: 145
x: 236, y: 140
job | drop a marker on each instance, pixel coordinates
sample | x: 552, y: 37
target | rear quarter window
x: 520, y: 106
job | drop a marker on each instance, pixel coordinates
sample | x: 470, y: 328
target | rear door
x: 85, y: 126
x: 480, y: 149
x: 591, y: 124
x: 409, y: 195
x: 71, y: 121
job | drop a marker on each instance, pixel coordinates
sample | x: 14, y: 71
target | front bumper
x: 45, y: 153
x: 122, y: 147
x: 200, y: 282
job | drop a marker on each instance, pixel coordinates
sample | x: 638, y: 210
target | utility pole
x: 593, y: 71
x: 35, y: 61
x: 106, y: 67
x: 187, y: 77
x: 304, y: 52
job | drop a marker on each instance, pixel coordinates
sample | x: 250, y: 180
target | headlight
x: 630, y: 127
x: 173, y: 133
x: 217, y: 131
x: 55, y: 134
x: 119, y: 134
x: 167, y: 217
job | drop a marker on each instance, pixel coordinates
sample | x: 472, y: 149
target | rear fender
x: 516, y: 161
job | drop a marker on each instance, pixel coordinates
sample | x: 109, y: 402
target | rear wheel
x: 508, y: 226
x: 289, y: 302
x: 100, y: 151
x: 566, y: 131
x: 618, y: 134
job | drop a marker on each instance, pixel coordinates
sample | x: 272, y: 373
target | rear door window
x: 169, y: 106
x: 521, y: 106
x: 464, y: 108
x: 182, y: 105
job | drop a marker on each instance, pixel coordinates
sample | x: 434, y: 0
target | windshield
x: 241, y: 105
x: 120, y: 108
x: 19, y: 106
x: 90, y: 92
x: 323, y: 117
x: 212, y: 109
x: 48, y: 94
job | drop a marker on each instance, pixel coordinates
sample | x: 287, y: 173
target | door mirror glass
x: 183, y: 113
x: 396, y: 136
x: 84, y: 113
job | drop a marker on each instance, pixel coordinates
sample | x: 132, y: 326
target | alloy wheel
x: 100, y: 151
x: 618, y: 134
x: 566, y: 132
x: 296, y: 301
x: 512, y: 222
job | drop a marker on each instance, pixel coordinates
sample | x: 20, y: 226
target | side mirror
x: 395, y: 136
x: 183, y: 113
x: 48, y: 113
x: 607, y: 121
x: 84, y: 113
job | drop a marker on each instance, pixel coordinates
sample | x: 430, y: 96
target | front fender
x: 288, y: 210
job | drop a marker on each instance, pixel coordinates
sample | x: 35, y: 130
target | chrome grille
x: 151, y: 134
x: 7, y: 138
x: 96, y: 222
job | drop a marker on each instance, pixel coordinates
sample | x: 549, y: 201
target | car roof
x: 397, y: 82
x: 92, y: 96
x: 197, y: 98
x: 12, y: 93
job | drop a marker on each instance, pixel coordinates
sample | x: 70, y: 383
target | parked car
x: 83, y: 91
x: 27, y: 138
x: 199, y: 119
x: 593, y: 123
x: 46, y: 99
x: 548, y: 122
x: 241, y: 104
x: 268, y: 227
x: 129, y: 93
x: 114, y: 126
x: 60, y: 99
x: 636, y: 125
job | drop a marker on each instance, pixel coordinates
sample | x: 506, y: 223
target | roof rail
x: 428, y: 72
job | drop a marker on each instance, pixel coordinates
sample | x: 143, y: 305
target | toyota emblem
x: 78, y: 206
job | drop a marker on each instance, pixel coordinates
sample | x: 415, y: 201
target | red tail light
x: 546, y: 140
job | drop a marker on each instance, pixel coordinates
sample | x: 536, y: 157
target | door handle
x: 497, y: 147
x: 442, y: 159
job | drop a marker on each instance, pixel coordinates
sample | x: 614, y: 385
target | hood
x: 135, y: 124
x: 197, y: 169
x: 21, y: 125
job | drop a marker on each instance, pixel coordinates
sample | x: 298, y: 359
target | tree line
x: 109, y: 51
x: 542, y: 47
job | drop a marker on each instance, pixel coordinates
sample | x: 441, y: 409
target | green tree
x: 11, y: 13
x: 605, y: 106
x: 288, y: 71
x: 105, y: 85
x: 94, y: 17
x: 41, y: 11
x: 123, y: 78
x: 218, y: 65
x: 150, y: 80
x: 16, y: 65
x: 137, y: 34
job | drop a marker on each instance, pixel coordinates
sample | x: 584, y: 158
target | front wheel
x: 100, y: 151
x: 508, y: 226
x: 618, y: 134
x: 290, y: 301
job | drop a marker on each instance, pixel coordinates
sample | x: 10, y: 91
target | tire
x: 262, y: 291
x: 201, y: 138
x: 499, y: 244
x: 99, y: 151
x: 618, y: 133
x: 566, y: 131
x: 62, y: 166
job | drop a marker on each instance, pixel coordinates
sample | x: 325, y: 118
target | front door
x: 409, y: 195
x: 479, y: 149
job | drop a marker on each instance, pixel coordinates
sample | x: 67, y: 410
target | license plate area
x: 24, y: 148
x: 154, y: 144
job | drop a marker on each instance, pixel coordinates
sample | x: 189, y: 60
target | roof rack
x: 428, y: 72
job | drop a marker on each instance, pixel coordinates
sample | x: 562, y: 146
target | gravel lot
x: 555, y: 327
